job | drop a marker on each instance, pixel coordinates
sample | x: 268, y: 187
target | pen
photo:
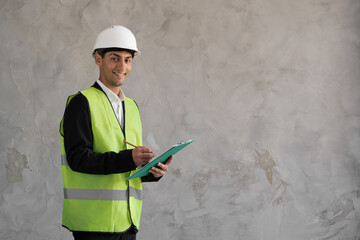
x: 130, y: 144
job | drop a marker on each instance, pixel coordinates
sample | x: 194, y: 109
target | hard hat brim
x: 105, y: 50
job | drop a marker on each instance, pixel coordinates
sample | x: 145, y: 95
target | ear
x: 98, y: 59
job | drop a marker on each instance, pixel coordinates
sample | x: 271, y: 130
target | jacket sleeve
x: 150, y: 178
x: 78, y: 141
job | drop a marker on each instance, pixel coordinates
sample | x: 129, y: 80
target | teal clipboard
x: 144, y: 171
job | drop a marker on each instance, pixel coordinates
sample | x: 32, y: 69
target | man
x: 98, y: 202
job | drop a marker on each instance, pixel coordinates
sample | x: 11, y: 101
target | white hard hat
x: 116, y: 37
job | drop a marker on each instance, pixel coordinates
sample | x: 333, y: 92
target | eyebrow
x: 117, y: 55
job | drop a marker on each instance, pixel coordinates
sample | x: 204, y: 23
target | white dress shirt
x: 116, y: 102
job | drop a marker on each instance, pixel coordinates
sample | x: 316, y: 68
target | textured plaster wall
x: 268, y: 89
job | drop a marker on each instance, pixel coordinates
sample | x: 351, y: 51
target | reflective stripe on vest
x: 64, y: 161
x: 102, y: 194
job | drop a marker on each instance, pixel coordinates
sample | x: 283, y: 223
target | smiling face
x: 114, y: 67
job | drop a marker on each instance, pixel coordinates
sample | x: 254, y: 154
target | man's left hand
x: 161, y: 168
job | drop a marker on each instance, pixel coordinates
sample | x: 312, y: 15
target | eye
x: 114, y: 59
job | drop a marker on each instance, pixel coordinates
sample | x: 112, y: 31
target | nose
x: 121, y: 64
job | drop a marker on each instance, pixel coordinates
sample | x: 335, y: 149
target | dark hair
x: 103, y: 51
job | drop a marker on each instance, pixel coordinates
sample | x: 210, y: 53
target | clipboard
x: 144, y: 171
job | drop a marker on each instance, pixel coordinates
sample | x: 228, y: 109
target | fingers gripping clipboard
x: 162, y: 158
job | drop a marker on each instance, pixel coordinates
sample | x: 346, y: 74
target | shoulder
x: 131, y: 101
x: 77, y: 100
x: 77, y: 106
x: 77, y: 112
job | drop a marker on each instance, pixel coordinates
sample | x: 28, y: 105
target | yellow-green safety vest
x: 103, y: 203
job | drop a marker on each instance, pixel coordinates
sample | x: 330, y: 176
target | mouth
x: 120, y: 75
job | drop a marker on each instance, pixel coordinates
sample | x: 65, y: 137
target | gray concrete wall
x: 269, y: 91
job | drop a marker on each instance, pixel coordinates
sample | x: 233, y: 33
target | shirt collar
x: 110, y: 94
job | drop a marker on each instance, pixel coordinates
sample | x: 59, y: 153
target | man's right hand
x: 142, y: 155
